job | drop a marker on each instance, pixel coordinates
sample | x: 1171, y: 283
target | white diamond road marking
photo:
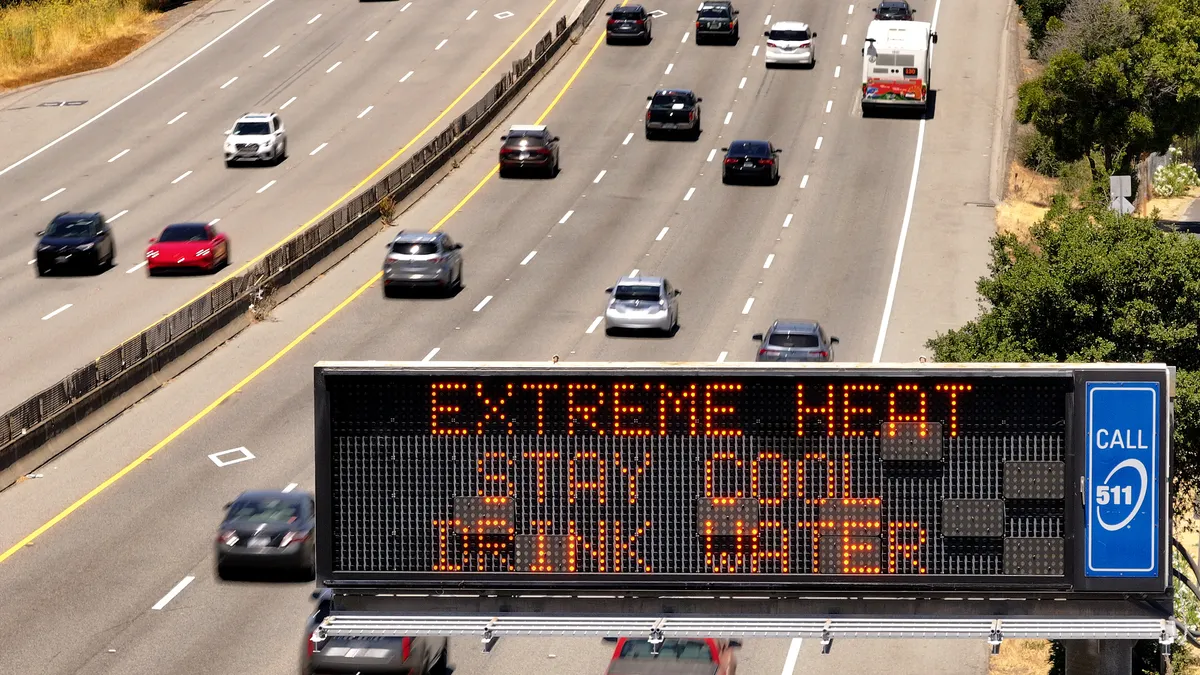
x: 504, y: 15
x: 242, y: 455
x: 658, y: 14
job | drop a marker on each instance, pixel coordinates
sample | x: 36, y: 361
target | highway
x: 620, y: 203
x: 352, y: 82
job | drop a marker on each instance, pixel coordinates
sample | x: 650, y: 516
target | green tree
x: 1038, y: 14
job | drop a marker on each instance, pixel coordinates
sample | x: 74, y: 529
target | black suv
x: 75, y: 240
x: 631, y: 22
x: 894, y: 10
x: 716, y: 19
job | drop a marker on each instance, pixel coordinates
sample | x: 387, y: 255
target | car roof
x: 640, y: 281
x: 789, y: 25
x: 527, y: 127
x: 897, y: 34
x: 893, y: 4
x: 675, y: 92
x: 273, y: 494
x: 714, y: 3
x: 417, y: 236
x: 186, y: 225
x: 76, y: 215
x: 628, y: 8
x: 795, y: 326
x: 749, y: 141
x: 256, y: 116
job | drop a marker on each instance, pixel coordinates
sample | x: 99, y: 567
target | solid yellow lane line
x: 278, y: 355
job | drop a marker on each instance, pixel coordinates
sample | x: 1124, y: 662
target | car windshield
x: 793, y: 340
x: 80, y: 227
x: 525, y: 138
x: 268, y: 510
x: 714, y: 13
x: 626, y: 13
x: 788, y: 35
x: 252, y: 129
x: 649, y: 293
x: 184, y: 233
x: 748, y: 149
x: 668, y: 100
x: 691, y: 650
x: 414, y: 247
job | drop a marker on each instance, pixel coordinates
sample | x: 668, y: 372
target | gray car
x: 795, y: 340
x: 422, y: 259
x: 642, y: 303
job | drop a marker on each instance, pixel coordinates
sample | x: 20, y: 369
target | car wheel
x: 388, y: 291
x: 504, y: 173
x: 283, y: 151
x: 458, y: 282
x: 228, y: 164
x: 725, y: 178
x: 442, y: 665
x: 608, y: 39
x: 609, y: 331
x: 222, y: 572
x: 649, y: 38
x: 43, y: 271
x: 649, y: 135
x: 697, y: 131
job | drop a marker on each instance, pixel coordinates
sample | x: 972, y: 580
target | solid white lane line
x: 406, y: 6
x: 136, y: 267
x: 432, y: 353
x: 721, y: 357
x: 265, y: 187
x: 177, y: 118
x: 528, y: 257
x: 365, y: 111
x: 566, y: 217
x: 837, y: 72
x: 54, y: 194
x: 767, y: 21
x: 749, y: 304
x: 371, y: 36
x: 829, y: 106
x: 711, y: 153
x: 472, y: 14
x: 139, y: 90
x: 912, y: 192
x: 119, y: 214
x: 318, y: 149
x: 119, y: 155
x: 754, y: 52
x: 272, y: 51
x: 406, y: 76
x: 441, y: 44
x: 668, y: 70
x: 843, y: 38
x: 851, y: 10
x: 185, y: 174
x: 482, y: 303
x: 173, y: 592
x: 662, y: 234
x: 728, y: 116
x: 789, y: 664
x: 600, y: 175
x: 688, y: 197
x: 332, y: 67
x: 592, y: 328
x: 314, y: 19
x: 804, y: 182
x: 231, y: 81
x: 56, y: 312
x: 742, y: 84
x: 770, y: 259
x: 289, y: 102
x: 214, y: 221
x: 819, y: 140
x: 788, y: 221
x: 290, y: 487
x: 627, y: 139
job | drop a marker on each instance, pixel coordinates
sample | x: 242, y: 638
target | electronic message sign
x: 744, y: 477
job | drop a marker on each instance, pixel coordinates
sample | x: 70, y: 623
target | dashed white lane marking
x: 670, y: 66
x: 595, y: 322
x: 441, y: 44
x: 819, y: 140
x: 851, y: 10
x: 565, y: 217
x: 788, y: 221
x: 173, y: 592
x: 331, y: 68
x: 685, y: 37
x: 472, y: 14
x: 635, y: 271
x: 627, y: 139
x: 371, y: 36
x: 119, y: 214
x: 754, y: 52
x: 136, y: 267
x: 365, y: 111
x: 314, y: 19
x: 406, y: 6
x: 528, y: 257
x: 600, y: 175
x: 272, y: 51
x: 432, y: 353
x: 843, y: 39
x: 804, y: 182
x: 721, y: 357
x: 119, y: 155
x: 31, y: 262
x: 662, y: 234
x: 265, y: 187
x: 290, y: 487
x: 770, y: 259
x: 406, y: 76
x: 54, y: 194
x: 711, y: 153
x: 214, y: 221
x: 56, y: 312
x: 837, y: 72
x: 767, y: 21
x: 231, y: 81
x: 728, y: 116
x: 829, y: 106
x: 177, y: 118
x: 749, y: 304
x: 185, y: 174
x: 289, y: 102
x: 317, y: 149
x: 688, y: 196
x: 742, y: 84
x: 482, y: 303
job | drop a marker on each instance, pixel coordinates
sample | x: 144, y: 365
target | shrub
x: 1035, y: 151
x: 1175, y: 177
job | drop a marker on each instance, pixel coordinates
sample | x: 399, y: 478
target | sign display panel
x: 608, y: 477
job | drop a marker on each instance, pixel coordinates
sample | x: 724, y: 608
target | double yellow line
x: 333, y: 312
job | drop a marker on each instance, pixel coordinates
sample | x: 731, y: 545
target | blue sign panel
x: 1122, y: 479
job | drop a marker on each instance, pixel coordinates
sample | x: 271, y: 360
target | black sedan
x: 75, y: 240
x: 268, y: 529
x: 751, y: 160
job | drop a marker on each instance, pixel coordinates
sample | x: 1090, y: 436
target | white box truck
x: 896, y: 65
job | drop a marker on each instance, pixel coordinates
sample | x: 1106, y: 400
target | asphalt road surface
x: 135, y: 539
x: 353, y: 84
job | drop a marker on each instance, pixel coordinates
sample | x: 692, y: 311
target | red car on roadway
x: 188, y: 246
x: 676, y: 656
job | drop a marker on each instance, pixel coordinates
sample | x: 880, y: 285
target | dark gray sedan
x: 267, y: 529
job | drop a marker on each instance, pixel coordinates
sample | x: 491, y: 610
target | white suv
x: 256, y: 137
x: 790, y: 42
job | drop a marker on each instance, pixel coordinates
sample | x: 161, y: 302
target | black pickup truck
x: 673, y: 110
x: 716, y: 19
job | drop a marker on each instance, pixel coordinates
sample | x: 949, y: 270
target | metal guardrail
x: 61, y: 406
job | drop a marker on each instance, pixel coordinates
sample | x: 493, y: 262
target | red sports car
x: 188, y: 246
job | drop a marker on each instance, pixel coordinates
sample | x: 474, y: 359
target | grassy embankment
x: 43, y: 39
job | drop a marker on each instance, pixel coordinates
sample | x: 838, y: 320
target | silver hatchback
x: 795, y: 340
x: 642, y: 303
x: 422, y: 259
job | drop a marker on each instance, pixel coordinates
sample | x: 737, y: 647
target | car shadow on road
x: 251, y: 575
x: 422, y: 293
x: 641, y: 334
x: 901, y: 113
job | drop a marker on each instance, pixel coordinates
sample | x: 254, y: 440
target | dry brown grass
x: 1173, y: 208
x: 51, y: 38
x: 1021, y: 657
x: 1026, y: 201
